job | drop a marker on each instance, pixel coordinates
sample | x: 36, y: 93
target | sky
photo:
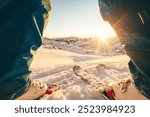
x: 77, y: 18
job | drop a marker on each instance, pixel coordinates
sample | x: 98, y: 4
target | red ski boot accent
x: 111, y: 92
x: 52, y: 88
x: 49, y: 92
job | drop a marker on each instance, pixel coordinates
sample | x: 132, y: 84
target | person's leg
x: 139, y: 67
x: 21, y: 28
x: 135, y: 36
x: 136, y: 39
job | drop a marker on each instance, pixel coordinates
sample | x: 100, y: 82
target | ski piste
x: 90, y: 80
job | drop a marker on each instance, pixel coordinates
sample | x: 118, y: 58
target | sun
x: 106, y: 33
x: 103, y: 36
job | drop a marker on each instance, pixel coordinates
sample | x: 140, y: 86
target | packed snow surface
x: 54, y: 65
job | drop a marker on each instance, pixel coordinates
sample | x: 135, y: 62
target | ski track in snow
x: 71, y: 86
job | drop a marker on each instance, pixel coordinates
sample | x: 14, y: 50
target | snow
x: 53, y: 65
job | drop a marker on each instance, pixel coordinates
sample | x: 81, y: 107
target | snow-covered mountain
x: 86, y: 45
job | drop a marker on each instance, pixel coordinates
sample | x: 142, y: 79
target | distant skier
x: 21, y: 28
x: 131, y: 21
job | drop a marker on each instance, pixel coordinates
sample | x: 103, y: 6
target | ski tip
x: 76, y: 67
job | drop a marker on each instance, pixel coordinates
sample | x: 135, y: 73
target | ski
x: 89, y: 80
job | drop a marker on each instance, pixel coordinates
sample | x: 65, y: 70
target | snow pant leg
x: 136, y: 40
x: 133, y: 31
x: 135, y: 37
x: 139, y: 67
x: 22, y: 24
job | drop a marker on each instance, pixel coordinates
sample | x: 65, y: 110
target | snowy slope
x: 90, y: 46
x: 55, y: 66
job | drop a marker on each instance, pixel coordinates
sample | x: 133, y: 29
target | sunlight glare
x: 103, y: 36
x: 106, y: 32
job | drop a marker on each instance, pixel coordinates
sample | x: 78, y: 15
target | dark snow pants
x: 131, y: 21
x: 21, y: 28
